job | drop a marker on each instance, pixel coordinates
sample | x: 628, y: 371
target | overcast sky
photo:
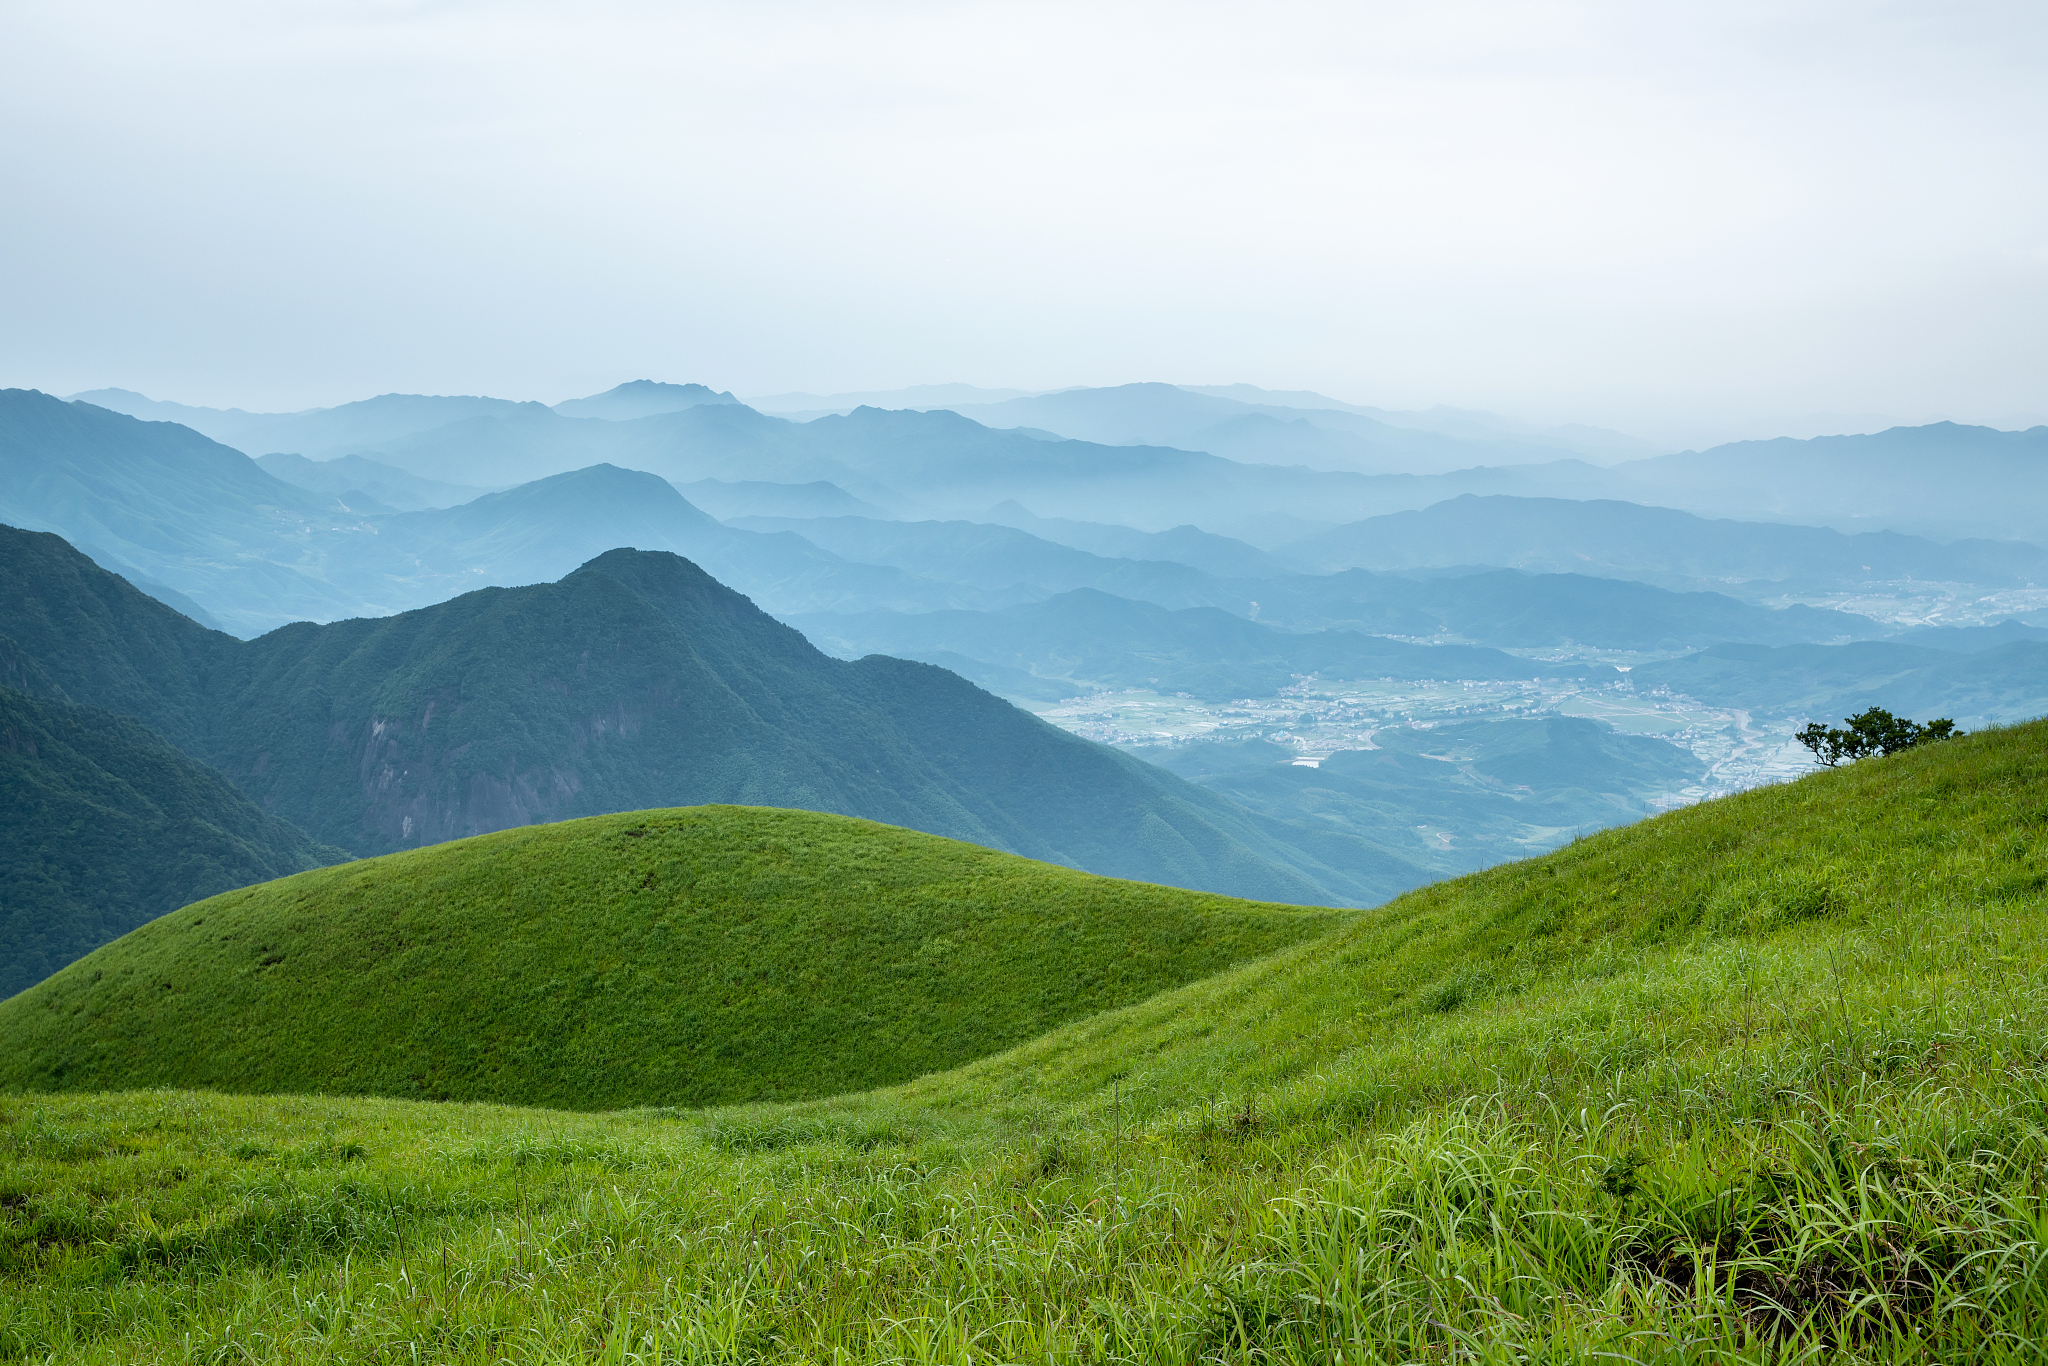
x: 1686, y: 219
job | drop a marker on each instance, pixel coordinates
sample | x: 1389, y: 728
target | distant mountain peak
x: 641, y: 398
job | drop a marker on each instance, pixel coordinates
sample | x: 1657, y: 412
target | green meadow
x: 1764, y: 1079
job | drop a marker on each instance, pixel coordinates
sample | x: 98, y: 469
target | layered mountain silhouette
x: 366, y: 485
x: 1657, y: 545
x: 1334, y: 625
x: 258, y: 552
x: 2002, y: 681
x: 1943, y: 480
x: 1292, y: 455
x: 641, y: 398
x: 1089, y: 637
x: 1324, y: 437
x: 636, y: 681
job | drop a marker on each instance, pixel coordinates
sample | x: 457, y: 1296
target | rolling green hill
x: 106, y: 826
x: 1759, y: 1080
x: 683, y: 957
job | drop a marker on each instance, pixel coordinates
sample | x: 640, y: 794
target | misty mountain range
x: 256, y: 551
x: 458, y: 614
x: 1125, y: 448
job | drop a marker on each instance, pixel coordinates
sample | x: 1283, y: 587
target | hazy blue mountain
x: 959, y: 467
x: 500, y: 448
x: 2004, y: 683
x: 205, y: 522
x: 1221, y: 557
x: 938, y: 464
x: 1656, y: 545
x: 1268, y: 434
x: 225, y: 425
x: 725, y: 441
x: 537, y: 532
x: 1085, y: 638
x: 183, y: 510
x: 1598, y: 443
x: 726, y: 499
x: 365, y: 426
x: 1505, y: 607
x: 1941, y: 480
x: 351, y: 428
x: 916, y: 396
x: 1970, y: 639
x: 211, y: 524
x: 1280, y: 398
x: 636, y: 681
x: 641, y: 398
x: 347, y: 477
x: 103, y: 825
x: 1455, y: 797
x: 998, y: 559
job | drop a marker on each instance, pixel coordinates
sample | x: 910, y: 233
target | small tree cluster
x: 1876, y: 731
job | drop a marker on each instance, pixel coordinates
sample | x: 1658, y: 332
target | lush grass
x: 1764, y: 1079
x: 682, y: 957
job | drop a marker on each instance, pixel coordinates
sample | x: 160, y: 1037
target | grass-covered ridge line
x: 679, y: 957
x: 1764, y: 1079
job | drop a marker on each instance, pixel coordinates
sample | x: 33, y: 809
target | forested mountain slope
x: 636, y: 681
x: 107, y: 826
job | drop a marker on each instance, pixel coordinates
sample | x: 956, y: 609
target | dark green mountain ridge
x: 634, y: 682
x: 104, y: 826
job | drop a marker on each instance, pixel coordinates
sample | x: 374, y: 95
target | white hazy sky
x: 1689, y: 219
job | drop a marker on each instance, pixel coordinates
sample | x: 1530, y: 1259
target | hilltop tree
x: 1874, y: 732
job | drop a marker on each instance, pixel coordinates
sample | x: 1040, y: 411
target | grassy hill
x: 681, y: 957
x: 106, y: 826
x: 1759, y: 1080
